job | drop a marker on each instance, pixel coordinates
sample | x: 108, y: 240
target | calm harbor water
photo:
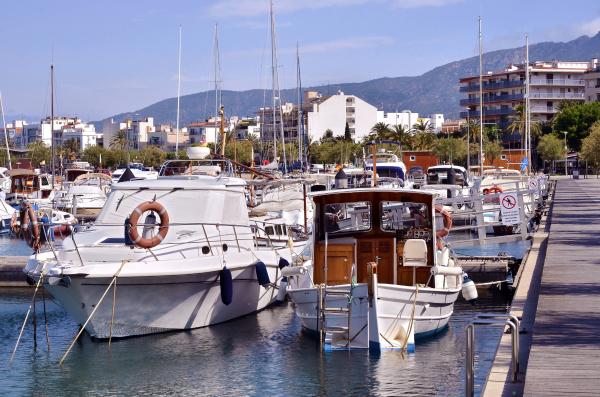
x: 262, y: 354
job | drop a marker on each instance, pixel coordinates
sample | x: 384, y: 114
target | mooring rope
x: 92, y: 313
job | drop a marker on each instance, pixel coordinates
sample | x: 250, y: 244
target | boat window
x: 269, y: 230
x: 348, y: 217
x: 45, y: 181
x: 404, y: 216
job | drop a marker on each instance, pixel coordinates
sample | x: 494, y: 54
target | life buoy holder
x: 163, y: 227
x: 29, y: 226
x: 493, y: 190
x: 447, y: 217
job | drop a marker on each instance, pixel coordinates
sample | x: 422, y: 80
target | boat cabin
x: 447, y: 175
x: 27, y: 184
x: 355, y: 227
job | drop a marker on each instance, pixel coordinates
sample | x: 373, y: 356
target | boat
x: 28, y: 185
x: 138, y: 170
x: 389, y: 168
x: 380, y: 276
x: 86, y: 196
x: 180, y: 248
x: 6, y: 215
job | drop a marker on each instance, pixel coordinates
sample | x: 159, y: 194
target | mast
x: 527, y: 107
x: 276, y: 93
x: 178, y: 95
x: 480, y: 100
x: 217, y: 80
x: 300, y: 117
x: 5, y: 133
x: 52, y: 119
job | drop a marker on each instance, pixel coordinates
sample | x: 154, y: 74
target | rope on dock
x: 491, y: 283
x: 91, y: 314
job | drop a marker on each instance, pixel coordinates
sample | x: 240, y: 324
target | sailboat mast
x: 299, y: 98
x: 52, y: 120
x: 178, y: 96
x: 527, y: 106
x: 480, y: 99
x: 217, y: 78
x: 5, y: 132
x: 276, y: 92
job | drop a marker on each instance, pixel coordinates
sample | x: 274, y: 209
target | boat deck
x: 565, y: 350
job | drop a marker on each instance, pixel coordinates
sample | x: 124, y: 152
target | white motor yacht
x: 181, y: 251
x: 390, y: 169
x: 379, y: 276
x: 6, y: 215
x: 138, y: 170
x: 86, y: 196
x: 27, y: 185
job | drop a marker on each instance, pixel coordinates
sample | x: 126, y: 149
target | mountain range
x: 436, y: 91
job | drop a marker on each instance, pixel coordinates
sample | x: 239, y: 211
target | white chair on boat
x: 414, y: 255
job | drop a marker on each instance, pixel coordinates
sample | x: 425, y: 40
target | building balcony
x: 493, y: 86
x: 544, y: 109
x: 558, y: 95
x: 492, y: 99
x: 558, y: 82
x: 487, y: 112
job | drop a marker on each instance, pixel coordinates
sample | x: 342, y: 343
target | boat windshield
x: 348, y: 217
x: 406, y: 219
x: 444, y: 177
x: 212, y: 167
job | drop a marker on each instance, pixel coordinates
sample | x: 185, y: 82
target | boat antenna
x: 5, y: 133
x: 480, y: 99
x: 276, y: 93
x: 178, y: 97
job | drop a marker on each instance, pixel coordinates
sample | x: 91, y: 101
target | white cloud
x: 252, y: 8
x: 589, y: 28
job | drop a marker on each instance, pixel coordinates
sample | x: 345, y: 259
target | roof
x: 20, y: 171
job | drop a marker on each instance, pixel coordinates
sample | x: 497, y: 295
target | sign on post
x: 509, y: 210
x: 533, y: 183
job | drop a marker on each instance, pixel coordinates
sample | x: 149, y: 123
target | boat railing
x: 474, y: 211
x: 216, y: 237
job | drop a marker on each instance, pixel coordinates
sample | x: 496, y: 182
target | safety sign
x: 509, y: 210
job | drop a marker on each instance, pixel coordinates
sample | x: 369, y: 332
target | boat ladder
x: 334, y: 332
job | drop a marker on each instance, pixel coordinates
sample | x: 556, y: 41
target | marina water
x: 262, y: 354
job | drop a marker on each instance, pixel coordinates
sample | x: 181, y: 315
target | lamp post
x: 566, y: 153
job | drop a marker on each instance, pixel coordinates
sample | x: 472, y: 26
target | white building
x: 592, y: 82
x: 42, y: 132
x: 83, y: 134
x: 436, y: 120
x: 137, y: 132
x: 333, y: 112
x: 405, y: 118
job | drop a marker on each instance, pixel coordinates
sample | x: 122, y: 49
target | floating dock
x: 558, y: 300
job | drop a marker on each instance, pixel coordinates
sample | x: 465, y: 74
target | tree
x: 119, y: 140
x: 38, y: 152
x: 95, y: 155
x: 380, y: 131
x: 518, y: 120
x: 576, y: 120
x: 551, y: 148
x: 347, y: 134
x: 492, y: 150
x: 327, y: 136
x: 590, y: 147
x: 423, y: 126
x: 151, y: 156
x: 450, y: 150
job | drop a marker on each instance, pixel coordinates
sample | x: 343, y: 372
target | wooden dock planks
x: 565, y: 353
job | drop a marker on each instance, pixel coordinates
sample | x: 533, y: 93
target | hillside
x: 435, y: 91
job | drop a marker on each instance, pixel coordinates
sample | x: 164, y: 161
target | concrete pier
x: 11, y: 271
x: 559, y: 302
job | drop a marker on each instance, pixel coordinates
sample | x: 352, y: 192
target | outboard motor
x: 341, y: 180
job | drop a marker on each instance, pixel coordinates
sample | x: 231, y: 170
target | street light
x: 566, y: 153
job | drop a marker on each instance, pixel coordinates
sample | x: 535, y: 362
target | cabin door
x: 371, y: 249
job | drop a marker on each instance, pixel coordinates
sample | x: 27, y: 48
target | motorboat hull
x: 147, y: 305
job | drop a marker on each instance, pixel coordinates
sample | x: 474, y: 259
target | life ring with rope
x: 163, y: 227
x: 441, y: 233
x: 30, y: 230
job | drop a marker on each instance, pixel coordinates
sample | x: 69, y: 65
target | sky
x: 113, y: 56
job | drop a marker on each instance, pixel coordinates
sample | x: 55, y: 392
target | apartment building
x: 550, y: 84
x: 65, y: 128
x: 406, y: 118
x: 137, y: 132
x: 592, y: 84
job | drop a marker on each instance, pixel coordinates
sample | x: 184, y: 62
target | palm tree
x: 119, y: 140
x: 518, y: 124
x: 423, y: 126
x: 381, y: 130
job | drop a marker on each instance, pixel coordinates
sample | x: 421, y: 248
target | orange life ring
x: 447, y: 224
x: 163, y: 226
x: 29, y: 226
x: 492, y: 190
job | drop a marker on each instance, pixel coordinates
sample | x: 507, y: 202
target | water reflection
x: 256, y: 355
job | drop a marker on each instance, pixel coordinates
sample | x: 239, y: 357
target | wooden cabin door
x: 368, y: 251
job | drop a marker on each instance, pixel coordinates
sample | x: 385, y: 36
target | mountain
x: 435, y: 91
